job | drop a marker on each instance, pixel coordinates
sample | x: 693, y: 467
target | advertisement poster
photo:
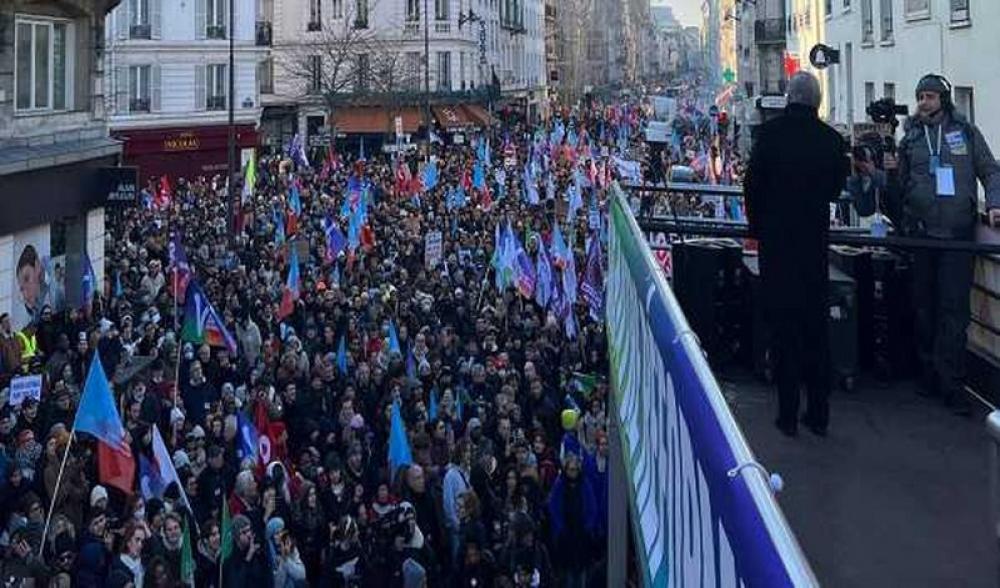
x: 39, y: 280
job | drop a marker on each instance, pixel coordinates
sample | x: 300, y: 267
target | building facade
x: 887, y: 46
x: 167, y: 68
x: 55, y: 153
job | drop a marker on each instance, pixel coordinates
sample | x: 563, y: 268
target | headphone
x: 946, y: 95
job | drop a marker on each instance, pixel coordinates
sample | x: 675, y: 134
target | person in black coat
x: 246, y: 565
x: 797, y: 167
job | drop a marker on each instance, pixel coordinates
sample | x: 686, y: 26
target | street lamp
x: 231, y: 143
x: 427, y: 74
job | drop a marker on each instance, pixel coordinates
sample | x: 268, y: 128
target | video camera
x: 885, y: 110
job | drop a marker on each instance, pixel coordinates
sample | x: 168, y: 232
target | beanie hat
x: 931, y: 83
x: 97, y: 494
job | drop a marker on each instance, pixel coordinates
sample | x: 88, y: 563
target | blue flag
x: 543, y: 274
x: 478, y: 176
x: 247, y: 438
x: 394, y: 339
x: 432, y: 410
x: 399, y: 446
x: 342, y: 355
x: 430, y: 175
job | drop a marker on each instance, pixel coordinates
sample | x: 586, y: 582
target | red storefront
x: 183, y: 152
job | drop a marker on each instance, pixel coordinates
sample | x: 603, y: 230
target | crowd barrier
x: 700, y: 516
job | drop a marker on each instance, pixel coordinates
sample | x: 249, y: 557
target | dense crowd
x: 279, y: 423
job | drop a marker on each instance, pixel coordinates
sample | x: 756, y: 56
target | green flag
x: 226, y: 530
x: 584, y: 383
x: 187, y: 558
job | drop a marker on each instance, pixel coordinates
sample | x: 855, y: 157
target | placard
x: 25, y: 387
x: 433, y: 249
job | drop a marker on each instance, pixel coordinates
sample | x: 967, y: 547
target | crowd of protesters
x: 281, y: 439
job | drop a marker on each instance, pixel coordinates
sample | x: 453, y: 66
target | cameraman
x: 867, y: 184
x: 940, y: 158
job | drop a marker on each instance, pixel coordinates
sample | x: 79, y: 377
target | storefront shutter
x: 156, y: 18
x: 155, y: 86
x: 199, y: 87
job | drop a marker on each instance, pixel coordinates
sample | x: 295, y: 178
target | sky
x: 686, y: 11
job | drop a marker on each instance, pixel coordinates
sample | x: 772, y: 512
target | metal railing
x: 215, y: 32
x: 993, y: 429
x: 138, y: 105
x: 140, y: 31
x: 215, y: 103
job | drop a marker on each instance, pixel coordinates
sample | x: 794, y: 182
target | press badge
x: 956, y: 143
x: 945, y: 178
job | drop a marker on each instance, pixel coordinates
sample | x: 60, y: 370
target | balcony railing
x: 769, y: 30
x: 442, y: 27
x: 215, y: 32
x: 314, y: 26
x: 265, y: 33
x: 138, y: 105
x: 215, y: 103
x: 411, y: 27
x: 140, y: 31
x: 361, y: 23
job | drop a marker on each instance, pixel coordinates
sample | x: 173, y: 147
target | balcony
x: 215, y: 103
x: 360, y: 23
x: 138, y: 105
x: 442, y: 27
x: 140, y: 31
x: 411, y: 28
x: 769, y: 31
x: 215, y: 32
x: 265, y: 32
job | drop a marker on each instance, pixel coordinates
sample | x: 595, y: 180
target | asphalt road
x: 895, y: 495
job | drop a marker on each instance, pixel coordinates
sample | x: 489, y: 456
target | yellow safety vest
x: 29, y: 346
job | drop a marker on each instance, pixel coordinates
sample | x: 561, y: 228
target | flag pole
x: 222, y: 535
x: 55, y: 492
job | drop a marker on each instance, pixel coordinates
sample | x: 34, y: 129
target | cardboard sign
x: 25, y: 387
x: 433, y: 249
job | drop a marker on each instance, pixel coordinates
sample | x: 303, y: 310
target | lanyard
x: 927, y: 136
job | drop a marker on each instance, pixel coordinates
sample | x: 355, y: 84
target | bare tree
x: 346, y: 59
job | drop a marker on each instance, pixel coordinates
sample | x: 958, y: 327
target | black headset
x: 946, y: 96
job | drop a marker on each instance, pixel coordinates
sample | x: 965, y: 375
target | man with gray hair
x: 797, y: 167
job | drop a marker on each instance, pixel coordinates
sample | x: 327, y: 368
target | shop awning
x: 456, y: 117
x: 479, y: 114
x: 412, y: 119
x: 362, y: 120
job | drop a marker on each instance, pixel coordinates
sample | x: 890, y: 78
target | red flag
x: 402, y: 177
x: 367, y: 237
x: 466, y: 180
x: 115, y: 467
x: 164, y: 194
x: 487, y: 199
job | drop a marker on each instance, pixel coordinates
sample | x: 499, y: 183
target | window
x: 216, y: 18
x: 41, y: 71
x: 917, y: 8
x: 960, y: 11
x: 216, y: 83
x: 414, y: 60
x: 338, y: 9
x: 964, y: 103
x: 886, y: 21
x: 847, y: 4
x: 315, y: 15
x: 361, y: 14
x: 441, y: 9
x: 363, y: 72
x: 867, y: 23
x: 827, y: 7
x: 444, y: 71
x: 412, y: 10
x: 889, y: 90
x: 315, y: 74
x: 139, y: 86
x: 139, y: 27
x: 265, y: 75
x: 461, y: 70
x: 869, y: 93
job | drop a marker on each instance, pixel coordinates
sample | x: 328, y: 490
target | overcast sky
x: 686, y: 11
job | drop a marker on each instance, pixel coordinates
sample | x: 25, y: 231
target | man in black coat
x: 798, y: 166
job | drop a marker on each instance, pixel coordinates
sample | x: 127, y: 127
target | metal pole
x: 231, y: 167
x: 427, y: 73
